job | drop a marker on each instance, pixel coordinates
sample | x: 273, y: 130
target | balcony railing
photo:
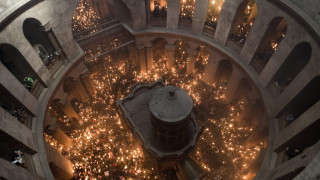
x: 85, y: 34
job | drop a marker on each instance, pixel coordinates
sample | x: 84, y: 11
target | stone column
x: 278, y: 57
x: 149, y: 57
x: 300, y: 81
x: 191, y: 60
x: 60, y: 166
x: 170, y: 56
x: 62, y: 138
x: 141, y: 53
x: 87, y: 82
x: 211, y: 67
x: 80, y: 91
x: 256, y: 34
x: 232, y: 85
x: 173, y: 14
x: 200, y: 14
x: 226, y: 17
x: 68, y: 109
x: 295, y: 164
x: 47, y: 27
x: 21, y: 136
x: 18, y: 91
x: 306, y: 120
x: 9, y: 170
x: 133, y: 54
x: 35, y: 62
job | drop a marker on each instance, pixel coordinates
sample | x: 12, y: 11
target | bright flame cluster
x: 187, y: 10
x: 84, y: 17
x: 213, y: 13
x: 245, y: 23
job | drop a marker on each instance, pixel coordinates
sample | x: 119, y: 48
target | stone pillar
x: 18, y: 91
x: 68, y: 109
x: 21, y: 135
x: 149, y: 57
x: 309, y: 171
x: 9, y: 170
x: 296, y: 164
x: 191, y: 60
x: 211, y: 67
x: 35, y: 62
x: 173, y: 14
x: 278, y: 57
x: 62, y: 138
x: 306, y: 120
x: 80, y: 91
x: 133, y: 54
x: 141, y: 53
x: 225, y: 20
x: 232, y: 85
x: 60, y: 166
x: 138, y: 12
x: 300, y: 81
x: 255, y: 37
x: 52, y: 129
x: 87, y: 82
x: 47, y: 27
x: 200, y: 14
x: 170, y: 56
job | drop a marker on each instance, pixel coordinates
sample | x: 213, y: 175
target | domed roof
x: 171, y: 104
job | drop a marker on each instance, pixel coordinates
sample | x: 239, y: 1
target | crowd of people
x: 107, y: 147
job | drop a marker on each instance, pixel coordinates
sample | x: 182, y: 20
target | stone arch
x: 291, y: 67
x: 223, y: 72
x: 270, y: 41
x: 14, y: 61
x: 37, y: 36
x: 243, y: 21
x: 201, y: 60
x: 123, y: 13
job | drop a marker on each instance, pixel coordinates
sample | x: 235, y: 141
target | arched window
x: 186, y: 13
x: 42, y: 41
x: 14, y: 61
x: 290, y: 68
x: 269, y: 43
x: 213, y: 13
x: 224, y: 71
x: 243, y: 21
x: 158, y: 12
